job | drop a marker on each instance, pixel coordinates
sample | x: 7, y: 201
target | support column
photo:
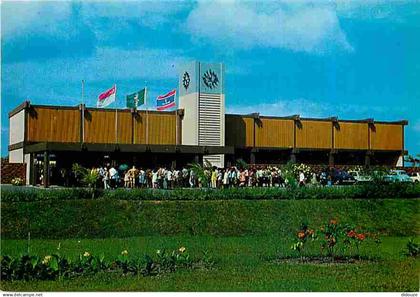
x: 367, y: 160
x: 46, y: 171
x: 293, y: 157
x: 198, y: 159
x: 31, y: 165
x: 331, y: 159
x: 178, y: 126
x: 252, y: 158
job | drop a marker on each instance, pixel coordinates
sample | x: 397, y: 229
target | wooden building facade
x: 153, y: 138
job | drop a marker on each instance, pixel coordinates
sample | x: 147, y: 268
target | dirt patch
x: 324, y: 260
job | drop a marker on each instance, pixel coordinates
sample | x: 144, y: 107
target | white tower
x: 202, y: 97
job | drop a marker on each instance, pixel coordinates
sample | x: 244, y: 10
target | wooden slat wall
x: 100, y: 126
x: 140, y: 128
x: 386, y: 137
x: 314, y: 134
x: 274, y: 133
x: 125, y: 124
x: 63, y: 125
x: 162, y: 128
x: 239, y: 131
x: 351, y: 136
x: 53, y: 124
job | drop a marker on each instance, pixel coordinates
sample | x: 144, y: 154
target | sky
x: 351, y: 59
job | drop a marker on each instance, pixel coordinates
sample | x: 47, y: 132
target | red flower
x: 361, y: 236
x: 351, y: 234
x: 301, y: 235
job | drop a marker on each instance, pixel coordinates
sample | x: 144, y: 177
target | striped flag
x: 107, y: 97
x: 166, y: 101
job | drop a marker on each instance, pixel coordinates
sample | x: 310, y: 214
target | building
x: 50, y: 138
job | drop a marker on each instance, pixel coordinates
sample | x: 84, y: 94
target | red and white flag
x: 166, y: 101
x: 107, y: 97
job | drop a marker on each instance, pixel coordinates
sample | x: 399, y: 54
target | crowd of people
x: 111, y: 177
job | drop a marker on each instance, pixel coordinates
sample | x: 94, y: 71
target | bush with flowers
x: 50, y: 267
x: 334, y: 236
x: 303, y: 235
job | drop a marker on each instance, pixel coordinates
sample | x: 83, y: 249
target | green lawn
x: 242, y: 264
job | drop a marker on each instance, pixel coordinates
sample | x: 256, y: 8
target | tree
x: 411, y: 159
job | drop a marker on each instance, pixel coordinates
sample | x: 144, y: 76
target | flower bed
x: 51, y: 267
x: 330, y: 238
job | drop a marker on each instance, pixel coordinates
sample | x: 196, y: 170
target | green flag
x: 136, y: 99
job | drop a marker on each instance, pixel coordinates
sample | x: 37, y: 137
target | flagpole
x: 147, y: 115
x: 83, y: 110
x: 116, y: 115
x: 176, y: 123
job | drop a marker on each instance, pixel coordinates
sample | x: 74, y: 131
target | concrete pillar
x: 367, y: 160
x: 198, y: 159
x: 331, y: 159
x: 46, y: 171
x: 252, y: 158
x: 293, y: 158
x: 31, y: 166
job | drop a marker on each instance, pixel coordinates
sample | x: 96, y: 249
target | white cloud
x: 246, y: 25
x: 104, y: 64
x: 54, y: 18
x: 59, y: 80
x: 36, y: 16
x: 318, y: 108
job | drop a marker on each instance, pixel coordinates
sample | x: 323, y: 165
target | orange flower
x: 333, y: 222
x: 301, y: 235
x: 361, y: 236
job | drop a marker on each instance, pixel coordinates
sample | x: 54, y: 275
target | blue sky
x: 351, y: 59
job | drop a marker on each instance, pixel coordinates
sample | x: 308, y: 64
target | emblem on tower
x: 210, y: 79
x: 186, y: 80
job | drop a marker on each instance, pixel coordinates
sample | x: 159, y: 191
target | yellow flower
x: 46, y: 259
x: 86, y: 254
x: 124, y: 253
x: 182, y: 249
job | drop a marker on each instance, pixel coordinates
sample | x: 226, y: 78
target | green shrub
x: 365, y: 191
x: 23, y: 194
x: 412, y: 248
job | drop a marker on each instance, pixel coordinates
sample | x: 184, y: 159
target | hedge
x: 103, y: 218
x: 367, y: 191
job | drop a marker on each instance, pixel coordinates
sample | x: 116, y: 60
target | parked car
x: 360, y: 177
x: 397, y: 176
x: 340, y: 177
x: 415, y: 177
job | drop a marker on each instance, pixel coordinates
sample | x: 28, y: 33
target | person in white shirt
x: 155, y: 179
x: 226, y: 179
x: 113, y: 174
x: 301, y: 179
x: 169, y: 178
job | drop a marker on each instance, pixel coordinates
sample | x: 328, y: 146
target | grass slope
x: 103, y: 218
